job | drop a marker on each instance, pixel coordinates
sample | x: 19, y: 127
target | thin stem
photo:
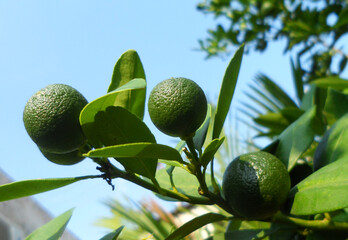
x: 117, y: 173
x: 216, y: 198
x: 324, y: 224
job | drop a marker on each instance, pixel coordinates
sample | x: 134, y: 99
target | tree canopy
x: 313, y: 30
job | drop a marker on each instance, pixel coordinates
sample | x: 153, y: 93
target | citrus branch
x: 113, y: 172
x: 324, y: 224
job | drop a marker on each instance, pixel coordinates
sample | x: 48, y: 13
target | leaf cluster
x: 312, y: 30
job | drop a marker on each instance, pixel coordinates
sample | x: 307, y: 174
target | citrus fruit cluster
x: 177, y: 107
x: 51, y: 118
x: 256, y: 185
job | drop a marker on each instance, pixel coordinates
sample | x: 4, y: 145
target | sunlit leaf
x: 296, y: 139
x: 333, y: 145
x: 332, y: 82
x: 137, y: 150
x: 183, y: 181
x: 275, y: 91
x: 201, y: 133
x: 30, y: 187
x: 52, y: 230
x: 210, y: 150
x: 323, y: 191
x: 127, y: 68
x: 87, y: 116
x: 113, y: 235
x: 226, y: 92
x: 297, y: 76
x: 336, y: 106
x: 195, y: 224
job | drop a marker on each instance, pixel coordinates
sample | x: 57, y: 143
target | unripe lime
x: 256, y: 185
x: 51, y: 118
x: 177, y: 107
x: 69, y: 158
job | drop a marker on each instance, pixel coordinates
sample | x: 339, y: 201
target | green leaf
x: 245, y: 234
x: 336, y: 105
x: 127, y: 68
x: 332, y: 82
x: 323, y: 191
x: 87, y: 115
x: 52, y: 230
x: 333, y: 145
x: 308, y: 98
x: 138, y: 150
x: 275, y: 91
x: 296, y: 139
x: 195, y: 224
x: 201, y: 133
x: 113, y: 235
x: 210, y: 150
x: 274, y: 121
x: 297, y: 76
x: 26, y: 188
x: 183, y: 181
x: 226, y: 92
x: 116, y: 126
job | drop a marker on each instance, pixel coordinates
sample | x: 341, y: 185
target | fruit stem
x: 191, y: 147
x: 204, y: 190
x: 324, y: 224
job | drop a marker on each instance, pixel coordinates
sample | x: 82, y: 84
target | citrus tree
x: 260, y: 194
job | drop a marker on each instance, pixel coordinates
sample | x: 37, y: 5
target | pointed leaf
x: 274, y: 121
x: 138, y: 150
x: 333, y: 82
x: 333, y: 145
x: 129, y: 67
x: 116, y: 126
x: 323, y: 191
x: 113, y: 235
x: 54, y: 229
x: 183, y: 181
x: 296, y: 139
x: 26, y: 188
x: 210, y: 150
x: 336, y: 106
x: 195, y: 224
x: 226, y: 92
x: 88, y: 114
x: 275, y: 91
x: 297, y: 76
x: 266, y: 98
x: 201, y: 133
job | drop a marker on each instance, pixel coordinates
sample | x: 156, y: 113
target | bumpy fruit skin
x: 256, y: 185
x: 51, y: 118
x: 69, y: 158
x: 177, y: 107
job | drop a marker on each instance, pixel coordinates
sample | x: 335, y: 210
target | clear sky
x: 77, y: 43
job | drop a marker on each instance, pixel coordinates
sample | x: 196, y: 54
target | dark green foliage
x: 315, y: 28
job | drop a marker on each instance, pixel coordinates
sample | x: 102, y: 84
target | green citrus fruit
x: 256, y: 185
x: 51, y: 118
x: 177, y: 107
x: 69, y: 158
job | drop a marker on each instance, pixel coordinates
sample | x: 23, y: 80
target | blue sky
x: 77, y: 43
